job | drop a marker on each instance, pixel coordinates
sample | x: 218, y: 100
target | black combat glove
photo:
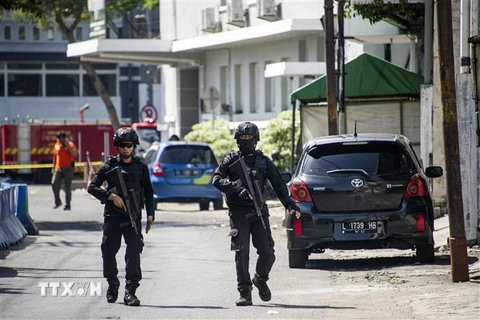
x: 243, y: 194
x: 292, y: 207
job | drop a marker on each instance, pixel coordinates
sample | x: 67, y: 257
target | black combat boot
x: 130, y: 298
x: 245, y: 297
x: 112, y: 291
x: 263, y: 290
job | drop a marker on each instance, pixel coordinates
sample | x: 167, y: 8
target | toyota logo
x: 357, y: 183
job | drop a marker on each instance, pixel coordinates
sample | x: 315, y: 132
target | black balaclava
x: 247, y: 146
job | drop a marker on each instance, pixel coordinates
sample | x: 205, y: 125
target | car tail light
x: 416, y: 187
x: 299, y: 191
x: 157, y: 170
x: 297, y: 227
x: 420, y: 223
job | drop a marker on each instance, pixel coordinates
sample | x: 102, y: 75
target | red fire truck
x: 27, y: 148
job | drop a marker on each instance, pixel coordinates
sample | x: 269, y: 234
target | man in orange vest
x: 64, y: 155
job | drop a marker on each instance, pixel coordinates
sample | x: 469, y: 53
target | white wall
x: 302, y: 9
x: 274, y: 52
x: 186, y: 15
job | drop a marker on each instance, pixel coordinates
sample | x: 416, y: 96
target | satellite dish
x: 211, y: 99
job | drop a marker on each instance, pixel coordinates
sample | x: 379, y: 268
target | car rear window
x: 188, y: 154
x: 373, y: 158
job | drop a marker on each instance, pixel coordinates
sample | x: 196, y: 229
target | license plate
x: 359, y: 226
x: 184, y: 173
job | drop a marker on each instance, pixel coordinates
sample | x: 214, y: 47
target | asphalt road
x: 189, y: 273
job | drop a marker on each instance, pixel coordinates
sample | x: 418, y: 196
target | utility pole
x: 341, y: 68
x: 330, y: 50
x: 457, y: 241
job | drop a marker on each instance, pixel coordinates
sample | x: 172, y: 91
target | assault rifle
x: 254, y: 189
x: 129, y: 196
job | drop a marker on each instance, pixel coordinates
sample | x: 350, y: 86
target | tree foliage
x: 408, y: 17
x: 275, y: 137
x: 216, y: 133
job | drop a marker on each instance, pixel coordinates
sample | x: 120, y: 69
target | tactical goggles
x: 125, y: 145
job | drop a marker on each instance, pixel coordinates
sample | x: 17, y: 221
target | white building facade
x: 248, y: 55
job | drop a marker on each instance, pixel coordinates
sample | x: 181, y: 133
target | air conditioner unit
x: 209, y: 24
x: 267, y: 10
x: 235, y: 13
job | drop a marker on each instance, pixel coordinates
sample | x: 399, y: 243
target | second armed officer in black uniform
x: 243, y: 219
x: 116, y: 219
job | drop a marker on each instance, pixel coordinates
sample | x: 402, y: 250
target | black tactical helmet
x: 247, y: 128
x: 125, y: 134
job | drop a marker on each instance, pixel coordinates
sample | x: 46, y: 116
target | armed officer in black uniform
x: 116, y: 219
x: 243, y: 219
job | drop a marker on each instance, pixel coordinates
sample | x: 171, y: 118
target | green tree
x: 67, y: 14
x: 408, y: 17
x: 277, y: 137
x: 216, y: 133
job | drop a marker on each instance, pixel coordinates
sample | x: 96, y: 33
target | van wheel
x: 425, y: 253
x: 204, y: 205
x: 297, y: 259
x: 218, y: 204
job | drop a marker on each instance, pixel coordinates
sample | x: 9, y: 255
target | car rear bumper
x: 394, y: 229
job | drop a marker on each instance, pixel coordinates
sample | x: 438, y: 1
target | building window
x: 223, y: 88
x: 62, y: 85
x: 320, y: 49
x: 2, y: 85
x: 62, y: 66
x: 109, y: 81
x: 25, y: 66
x: 21, y: 33
x: 268, y: 92
x: 50, y: 33
x: 104, y: 66
x: 302, y: 50
x: 7, y: 33
x: 253, y: 87
x: 284, y: 90
x: 238, y: 89
x: 36, y: 33
x: 24, y: 85
x: 79, y: 34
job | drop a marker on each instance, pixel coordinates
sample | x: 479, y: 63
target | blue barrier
x: 21, y: 209
x: 11, y: 229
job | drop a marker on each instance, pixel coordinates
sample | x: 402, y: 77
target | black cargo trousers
x: 113, y: 229
x: 249, y: 224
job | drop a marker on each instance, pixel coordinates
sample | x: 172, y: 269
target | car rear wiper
x: 349, y: 171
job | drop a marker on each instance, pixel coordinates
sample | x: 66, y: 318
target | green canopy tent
x: 365, y: 77
x: 368, y: 79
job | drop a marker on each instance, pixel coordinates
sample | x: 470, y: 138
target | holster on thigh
x: 236, y: 243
